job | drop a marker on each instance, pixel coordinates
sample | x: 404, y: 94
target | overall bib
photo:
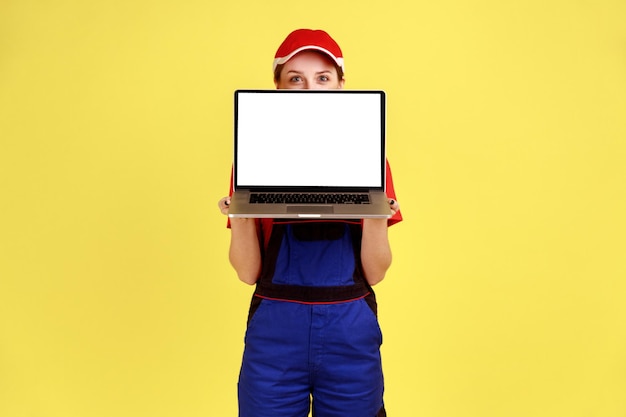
x: 312, y: 328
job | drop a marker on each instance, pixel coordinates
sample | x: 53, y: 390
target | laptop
x: 309, y: 154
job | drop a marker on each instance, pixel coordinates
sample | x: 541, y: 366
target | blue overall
x: 312, y: 329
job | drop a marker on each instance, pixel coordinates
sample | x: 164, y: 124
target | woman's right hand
x: 224, y: 205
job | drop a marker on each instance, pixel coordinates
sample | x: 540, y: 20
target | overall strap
x: 265, y: 288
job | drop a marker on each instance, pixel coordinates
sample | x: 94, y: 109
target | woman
x: 313, y: 336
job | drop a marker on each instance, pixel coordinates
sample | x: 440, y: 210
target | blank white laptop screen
x: 302, y: 139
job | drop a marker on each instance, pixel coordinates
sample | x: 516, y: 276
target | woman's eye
x: 324, y: 78
x: 296, y: 79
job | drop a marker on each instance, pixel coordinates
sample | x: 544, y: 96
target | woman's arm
x: 375, y: 248
x: 244, y: 253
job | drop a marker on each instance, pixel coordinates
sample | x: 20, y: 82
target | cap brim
x: 282, y: 60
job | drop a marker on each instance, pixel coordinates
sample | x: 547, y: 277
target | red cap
x: 308, y: 39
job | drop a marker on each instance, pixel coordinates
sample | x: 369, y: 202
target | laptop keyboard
x: 306, y: 198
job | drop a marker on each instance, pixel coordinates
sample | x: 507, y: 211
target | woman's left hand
x: 394, y: 206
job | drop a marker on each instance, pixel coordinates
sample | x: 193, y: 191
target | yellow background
x: 507, y: 130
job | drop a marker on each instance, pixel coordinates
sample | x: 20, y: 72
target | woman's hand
x: 394, y: 206
x: 224, y: 205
